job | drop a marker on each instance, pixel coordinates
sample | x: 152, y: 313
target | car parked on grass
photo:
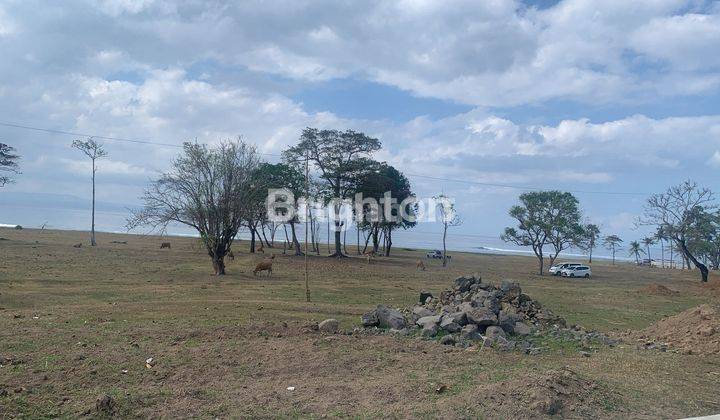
x: 557, y: 268
x: 435, y: 254
x: 577, y: 271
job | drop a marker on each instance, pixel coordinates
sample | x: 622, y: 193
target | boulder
x: 463, y: 283
x: 370, y: 319
x: 507, y: 321
x: 492, y: 303
x: 390, y: 318
x: 424, y: 295
x: 329, y: 326
x: 481, y: 317
x: 420, y: 311
x: 522, y: 329
x: 510, y: 289
x: 495, y: 335
x: 448, y: 324
x: 430, y: 330
x: 457, y: 317
x: 432, y: 319
x: 470, y: 332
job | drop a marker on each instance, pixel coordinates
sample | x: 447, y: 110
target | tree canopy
x: 8, y: 163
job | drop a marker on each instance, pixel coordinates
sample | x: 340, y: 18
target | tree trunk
x: 252, y: 240
x: 702, y: 267
x: 338, y: 238
x: 590, y: 260
x: 295, y: 242
x: 357, y: 226
x: 541, y: 261
x: 445, y: 227
x: 218, y: 265
x: 375, y: 232
x: 613, y: 251
x: 389, y: 241
x: 92, y: 223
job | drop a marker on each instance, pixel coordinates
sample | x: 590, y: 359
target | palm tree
x: 636, y: 249
x: 647, y: 242
x: 660, y: 237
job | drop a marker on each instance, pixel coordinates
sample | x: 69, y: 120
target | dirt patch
x: 695, y: 331
x: 658, y: 289
x: 713, y: 286
x: 561, y: 393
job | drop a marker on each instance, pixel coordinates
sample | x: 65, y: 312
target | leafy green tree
x: 612, y: 243
x: 384, y: 179
x: 93, y: 150
x: 284, y: 176
x: 545, y: 218
x: 680, y: 211
x: 342, y: 159
x: 589, y: 239
x: 207, y: 189
x: 635, y: 249
x: 8, y: 163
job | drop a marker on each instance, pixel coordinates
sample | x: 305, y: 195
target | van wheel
x: 572, y: 275
x: 587, y: 276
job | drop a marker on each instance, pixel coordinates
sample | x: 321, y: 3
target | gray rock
x: 424, y: 295
x: 481, y: 317
x: 329, y: 326
x: 495, y: 336
x: 492, y: 303
x: 433, y: 319
x: 463, y: 283
x: 370, y: 319
x: 507, y: 321
x: 522, y: 329
x: 430, y: 330
x: 448, y: 340
x: 457, y: 317
x: 390, y: 318
x: 448, y: 324
x: 510, y: 289
x: 470, y: 332
x: 494, y: 332
x: 421, y: 311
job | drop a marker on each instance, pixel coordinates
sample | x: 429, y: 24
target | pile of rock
x: 472, y: 310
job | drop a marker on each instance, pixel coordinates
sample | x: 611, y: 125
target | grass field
x: 76, y: 324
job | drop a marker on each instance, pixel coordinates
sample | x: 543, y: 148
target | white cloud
x: 106, y: 166
x: 715, y: 159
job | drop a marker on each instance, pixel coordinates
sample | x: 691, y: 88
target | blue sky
x: 594, y: 97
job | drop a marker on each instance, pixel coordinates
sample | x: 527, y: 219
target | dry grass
x: 71, y: 320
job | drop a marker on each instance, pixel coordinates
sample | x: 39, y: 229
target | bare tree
x: 8, y: 163
x: 207, y: 189
x: 94, y: 151
x: 679, y: 211
x: 448, y: 217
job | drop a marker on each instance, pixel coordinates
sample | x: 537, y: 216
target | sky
x: 611, y: 100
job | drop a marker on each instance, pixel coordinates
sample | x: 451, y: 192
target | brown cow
x: 231, y: 255
x: 264, y: 265
x: 420, y: 265
x: 260, y: 248
x: 165, y: 245
x: 370, y: 255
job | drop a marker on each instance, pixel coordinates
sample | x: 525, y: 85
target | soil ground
x: 79, y: 323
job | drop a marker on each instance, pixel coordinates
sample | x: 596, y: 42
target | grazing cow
x: 231, y: 255
x: 264, y: 265
x: 165, y: 245
x: 260, y: 248
x: 370, y: 255
x: 78, y: 245
x: 420, y: 265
